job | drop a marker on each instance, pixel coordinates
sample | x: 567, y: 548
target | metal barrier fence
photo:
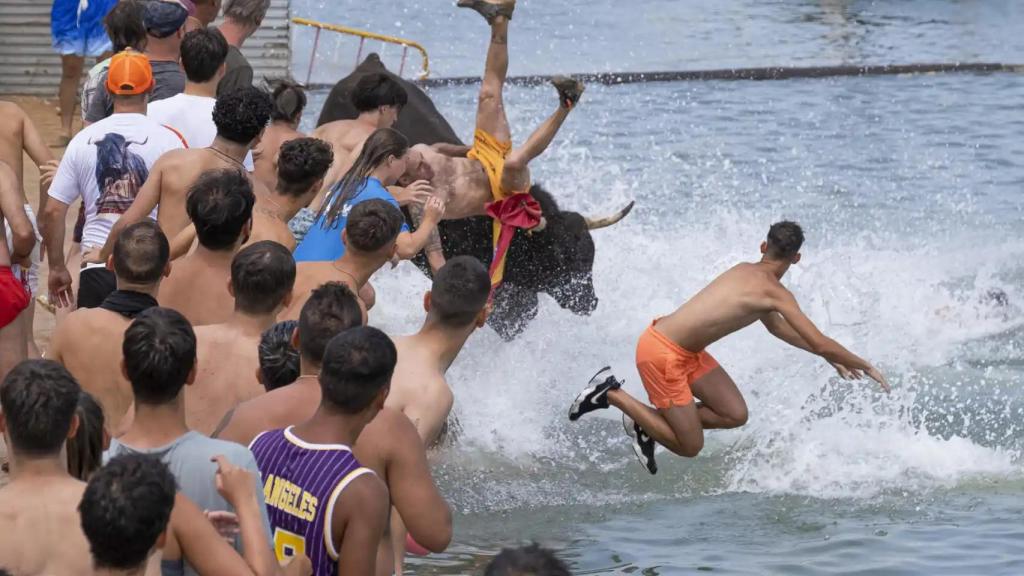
x: 363, y: 36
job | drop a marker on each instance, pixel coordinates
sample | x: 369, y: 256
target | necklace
x: 345, y: 272
x: 226, y: 157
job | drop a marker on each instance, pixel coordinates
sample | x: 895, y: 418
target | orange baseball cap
x: 129, y: 73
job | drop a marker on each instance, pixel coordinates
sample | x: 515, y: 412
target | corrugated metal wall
x: 28, y: 64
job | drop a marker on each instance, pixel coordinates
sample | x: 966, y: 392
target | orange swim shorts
x: 667, y: 369
x: 491, y: 154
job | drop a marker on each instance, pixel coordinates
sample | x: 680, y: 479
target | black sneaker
x: 595, y: 396
x: 643, y: 445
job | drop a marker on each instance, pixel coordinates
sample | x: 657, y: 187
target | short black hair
x: 262, y: 275
x: 220, y: 205
x: 125, y: 26
x: 378, y: 89
x: 301, y: 163
x: 529, y: 560
x: 459, y: 292
x: 141, y: 253
x: 203, y: 52
x: 241, y: 114
x: 38, y: 399
x: 331, y: 309
x: 358, y: 364
x: 785, y: 239
x: 372, y: 225
x: 279, y: 360
x: 159, y: 353
x: 85, y: 448
x: 289, y: 101
x: 125, y: 508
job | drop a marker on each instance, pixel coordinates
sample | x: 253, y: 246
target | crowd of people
x: 213, y: 400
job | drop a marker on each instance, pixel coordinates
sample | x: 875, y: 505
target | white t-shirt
x: 192, y: 116
x: 106, y: 164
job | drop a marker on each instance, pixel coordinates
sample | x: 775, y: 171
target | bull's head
x: 559, y: 259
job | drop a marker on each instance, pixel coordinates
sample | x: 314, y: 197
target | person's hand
x: 234, y: 483
x: 847, y: 373
x: 226, y: 524
x: 875, y: 375
x: 298, y: 565
x: 433, y: 210
x: 59, y: 282
x: 416, y: 193
x: 47, y: 171
x: 93, y: 256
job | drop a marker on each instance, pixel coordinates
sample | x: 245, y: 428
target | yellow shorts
x: 491, y: 154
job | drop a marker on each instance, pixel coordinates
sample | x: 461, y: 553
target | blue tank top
x: 323, y: 241
x: 301, y: 484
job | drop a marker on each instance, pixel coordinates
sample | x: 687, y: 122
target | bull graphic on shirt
x: 120, y: 173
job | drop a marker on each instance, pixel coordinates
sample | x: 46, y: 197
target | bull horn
x: 606, y: 221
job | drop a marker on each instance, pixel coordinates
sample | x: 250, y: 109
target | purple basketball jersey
x: 301, y: 483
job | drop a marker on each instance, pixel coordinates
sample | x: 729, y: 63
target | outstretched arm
x: 800, y: 330
x: 410, y: 243
x: 414, y: 494
x: 40, y: 153
x: 433, y: 247
x: 453, y: 150
x: 362, y: 516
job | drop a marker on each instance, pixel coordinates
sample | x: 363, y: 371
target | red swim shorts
x: 667, y: 369
x: 13, y: 297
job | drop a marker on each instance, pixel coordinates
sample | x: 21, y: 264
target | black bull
x: 557, y: 261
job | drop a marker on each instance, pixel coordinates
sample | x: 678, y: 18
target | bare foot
x: 490, y: 10
x: 569, y: 91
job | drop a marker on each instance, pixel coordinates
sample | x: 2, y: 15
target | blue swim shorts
x: 77, y: 27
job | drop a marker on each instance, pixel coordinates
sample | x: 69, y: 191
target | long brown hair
x: 381, y: 145
x: 85, y: 448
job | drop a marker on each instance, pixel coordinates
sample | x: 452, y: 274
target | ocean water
x: 910, y: 191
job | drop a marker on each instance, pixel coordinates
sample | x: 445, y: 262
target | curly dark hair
x: 301, y: 163
x: 531, y: 559
x: 785, y: 239
x: 240, y: 115
x: 279, y: 360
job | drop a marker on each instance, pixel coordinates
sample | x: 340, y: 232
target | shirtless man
x: 262, y: 277
x: 389, y: 445
x: 289, y: 102
x: 88, y: 342
x: 14, y: 299
x: 456, y: 306
x: 39, y: 506
x: 379, y: 100
x: 240, y: 117
x: 18, y: 136
x: 471, y: 177
x: 220, y: 205
x: 675, y: 367
x: 301, y: 166
x: 370, y: 243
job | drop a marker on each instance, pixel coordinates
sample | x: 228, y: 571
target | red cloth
x: 13, y: 297
x: 519, y: 210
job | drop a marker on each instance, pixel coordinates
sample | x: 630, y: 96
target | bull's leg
x: 516, y: 175
x: 490, y: 113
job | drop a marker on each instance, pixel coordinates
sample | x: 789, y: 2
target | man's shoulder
x: 92, y: 319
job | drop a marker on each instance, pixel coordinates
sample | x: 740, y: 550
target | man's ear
x: 382, y: 397
x: 481, y: 318
x: 167, y: 269
x: 231, y: 288
x: 287, y: 300
x: 110, y: 262
x: 295, y: 338
x: 344, y: 238
x: 3, y: 428
x: 259, y: 377
x: 75, y: 423
x: 315, y: 188
x: 161, y: 540
x: 124, y: 370
x: 796, y: 258
x: 764, y: 247
x: 426, y: 301
x: 191, y: 378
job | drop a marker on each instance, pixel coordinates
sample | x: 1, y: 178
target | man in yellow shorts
x: 675, y: 368
x: 469, y: 178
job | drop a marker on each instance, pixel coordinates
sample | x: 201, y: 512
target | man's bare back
x: 291, y: 404
x: 199, y: 290
x: 227, y: 361
x: 88, y: 344
x: 17, y: 136
x: 264, y: 155
x: 734, y: 300
x: 42, y: 533
x: 267, y: 226
x: 419, y: 389
x: 345, y: 138
x: 311, y: 275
